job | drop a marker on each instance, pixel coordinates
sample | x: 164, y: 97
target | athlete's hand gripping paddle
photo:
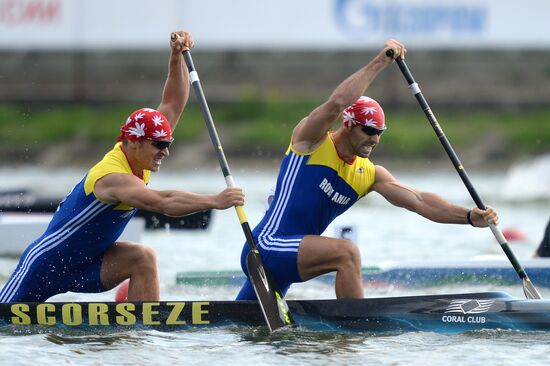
x: 528, y: 288
x: 274, y: 306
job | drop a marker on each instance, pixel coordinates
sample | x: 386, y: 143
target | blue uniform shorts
x: 282, y: 265
x: 50, y: 274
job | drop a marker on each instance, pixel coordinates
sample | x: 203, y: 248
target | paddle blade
x: 274, y: 306
x: 530, y: 291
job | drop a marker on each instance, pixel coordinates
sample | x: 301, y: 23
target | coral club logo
x: 461, y: 311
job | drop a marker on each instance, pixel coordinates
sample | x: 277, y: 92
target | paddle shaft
x: 274, y: 307
x: 230, y: 182
x: 415, y: 89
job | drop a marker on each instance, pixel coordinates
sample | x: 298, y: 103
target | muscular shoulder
x: 382, y: 175
x: 302, y: 144
x: 384, y: 181
x: 109, y: 187
x: 119, y: 179
x: 304, y: 140
x: 394, y: 191
x: 113, y: 162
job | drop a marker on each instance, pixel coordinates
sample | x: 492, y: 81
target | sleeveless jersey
x: 81, y: 230
x: 312, y: 190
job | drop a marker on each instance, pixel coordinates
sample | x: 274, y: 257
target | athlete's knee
x: 246, y: 292
x: 348, y: 254
x: 144, y: 258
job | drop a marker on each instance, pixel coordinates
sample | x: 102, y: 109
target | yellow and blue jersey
x: 313, y: 189
x: 67, y: 257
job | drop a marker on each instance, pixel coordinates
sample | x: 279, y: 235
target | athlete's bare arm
x: 312, y: 129
x: 130, y: 190
x: 176, y: 88
x: 427, y: 204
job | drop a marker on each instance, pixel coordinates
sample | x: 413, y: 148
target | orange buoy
x: 122, y: 292
x: 513, y: 234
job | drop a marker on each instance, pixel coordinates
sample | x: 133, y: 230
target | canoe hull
x: 455, y: 313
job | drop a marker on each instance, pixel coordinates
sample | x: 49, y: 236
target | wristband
x: 469, y: 218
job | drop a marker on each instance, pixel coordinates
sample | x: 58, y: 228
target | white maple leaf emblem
x: 371, y: 122
x: 138, y: 116
x: 160, y: 134
x: 369, y: 110
x: 149, y: 109
x: 138, y: 130
x: 349, y: 117
x: 157, y: 120
x: 128, y: 120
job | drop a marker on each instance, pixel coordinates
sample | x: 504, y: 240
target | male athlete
x: 322, y: 175
x: 80, y: 251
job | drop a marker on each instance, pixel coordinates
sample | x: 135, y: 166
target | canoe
x: 448, y: 314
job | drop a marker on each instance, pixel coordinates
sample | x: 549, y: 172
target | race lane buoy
x: 122, y: 292
x: 513, y: 234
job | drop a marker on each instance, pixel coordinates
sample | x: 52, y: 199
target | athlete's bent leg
x: 246, y: 292
x: 318, y: 255
x: 136, y: 262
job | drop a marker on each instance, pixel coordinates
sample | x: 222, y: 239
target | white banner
x: 279, y: 24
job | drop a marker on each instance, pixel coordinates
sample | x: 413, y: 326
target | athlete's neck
x: 344, y: 150
x: 131, y: 162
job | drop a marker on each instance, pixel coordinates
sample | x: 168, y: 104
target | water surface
x: 383, y: 232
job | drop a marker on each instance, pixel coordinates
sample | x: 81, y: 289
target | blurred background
x: 71, y: 71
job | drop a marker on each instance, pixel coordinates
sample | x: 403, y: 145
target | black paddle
x: 274, y: 306
x: 528, y: 287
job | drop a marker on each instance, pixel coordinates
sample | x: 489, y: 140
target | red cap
x: 146, y: 124
x: 367, y: 112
